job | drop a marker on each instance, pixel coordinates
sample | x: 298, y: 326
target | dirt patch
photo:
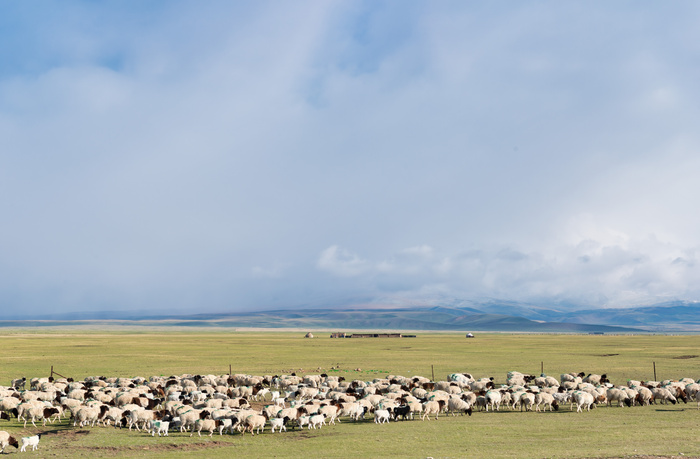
x: 104, y: 451
x: 684, y: 357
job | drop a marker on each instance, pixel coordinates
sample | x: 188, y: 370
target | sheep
x: 8, y: 404
x: 161, y: 427
x: 113, y: 414
x: 663, y: 394
x: 596, y: 379
x: 644, y: 395
x: 32, y: 441
x: 205, y: 424
x: 354, y: 410
x: 279, y: 423
x: 526, y: 400
x: 331, y: 412
x: 18, y: 383
x: 493, y: 399
x: 545, y: 400
x: 254, y: 421
x: 188, y: 416
x: 142, y: 416
x: 619, y: 395
x: 381, y: 416
x: 39, y: 412
x: 583, y: 399
x: 318, y: 420
x: 304, y: 421
x: 7, y: 440
x: 88, y: 415
x: 457, y: 404
x: 432, y: 407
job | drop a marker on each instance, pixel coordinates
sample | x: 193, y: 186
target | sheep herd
x: 242, y: 404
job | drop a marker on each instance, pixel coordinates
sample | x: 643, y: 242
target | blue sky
x: 232, y: 156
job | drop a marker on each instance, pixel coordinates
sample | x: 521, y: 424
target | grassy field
x: 604, y: 432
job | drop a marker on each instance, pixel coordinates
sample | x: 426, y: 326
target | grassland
x: 604, y: 432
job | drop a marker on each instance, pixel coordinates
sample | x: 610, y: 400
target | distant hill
x: 431, y: 318
x: 436, y: 314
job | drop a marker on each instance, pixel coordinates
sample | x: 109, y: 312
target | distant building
x: 470, y: 335
x: 370, y: 335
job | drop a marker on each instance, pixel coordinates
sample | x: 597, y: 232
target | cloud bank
x: 218, y: 156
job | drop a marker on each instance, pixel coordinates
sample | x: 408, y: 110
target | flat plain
x: 657, y: 430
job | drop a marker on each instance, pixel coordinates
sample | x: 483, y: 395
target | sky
x: 217, y: 156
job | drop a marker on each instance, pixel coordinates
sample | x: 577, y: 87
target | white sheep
x: 432, y: 407
x: 161, y: 427
x: 617, y: 395
x: 457, y: 404
x: 32, y: 441
x: 381, y: 416
x: 279, y: 423
x: 546, y: 400
x: 493, y: 399
x: 317, y: 420
x: 582, y: 399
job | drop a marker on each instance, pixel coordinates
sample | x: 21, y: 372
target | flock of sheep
x: 247, y: 404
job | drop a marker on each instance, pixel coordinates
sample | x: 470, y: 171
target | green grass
x: 604, y: 432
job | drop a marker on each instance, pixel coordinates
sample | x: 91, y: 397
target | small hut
x: 309, y: 335
x: 470, y: 335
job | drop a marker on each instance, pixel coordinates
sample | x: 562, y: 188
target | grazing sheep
x: 7, y: 440
x: 432, y: 407
x: 32, y: 441
x: 18, y: 383
x: 546, y: 400
x: 583, y: 399
x: 618, y: 395
x: 663, y: 394
x: 457, y: 404
x: 644, y: 395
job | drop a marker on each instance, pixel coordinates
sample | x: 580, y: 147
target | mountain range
x: 457, y: 315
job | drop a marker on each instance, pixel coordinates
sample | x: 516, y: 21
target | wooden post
x: 655, y: 372
x: 541, y: 368
x: 229, y: 369
x: 432, y: 369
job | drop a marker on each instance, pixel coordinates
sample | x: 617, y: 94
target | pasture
x: 658, y: 430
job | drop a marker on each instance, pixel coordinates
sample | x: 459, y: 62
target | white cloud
x: 154, y: 155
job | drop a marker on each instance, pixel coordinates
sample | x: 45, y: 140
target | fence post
x: 655, y: 371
